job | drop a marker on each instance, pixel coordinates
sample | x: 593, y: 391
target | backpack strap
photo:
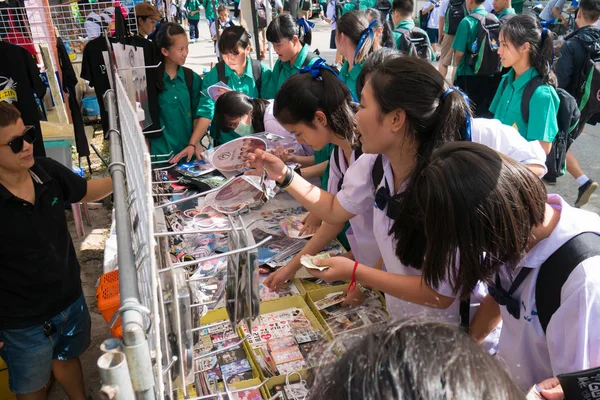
x: 336, y: 160
x: 221, y: 72
x: 530, y: 87
x: 257, y: 74
x: 377, y: 171
x: 309, y: 57
x: 555, y: 271
x: 188, y: 74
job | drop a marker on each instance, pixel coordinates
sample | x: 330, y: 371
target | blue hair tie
x: 367, y: 32
x: 467, y: 132
x: 544, y: 33
x: 315, y: 71
x: 307, y: 25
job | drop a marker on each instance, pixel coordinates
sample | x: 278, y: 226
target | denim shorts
x: 28, y: 352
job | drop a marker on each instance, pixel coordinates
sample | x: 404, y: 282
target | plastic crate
x: 109, y: 300
x: 59, y: 150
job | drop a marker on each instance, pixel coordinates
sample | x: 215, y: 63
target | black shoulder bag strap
x: 188, y: 74
x: 555, y: 271
x: 221, y: 72
x: 257, y: 75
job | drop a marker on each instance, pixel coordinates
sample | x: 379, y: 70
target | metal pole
x: 114, y: 375
x: 135, y: 343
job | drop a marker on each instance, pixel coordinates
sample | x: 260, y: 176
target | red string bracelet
x: 352, y: 285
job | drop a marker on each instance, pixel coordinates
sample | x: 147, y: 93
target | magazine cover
x: 234, y: 196
x: 195, y: 168
x: 278, y: 248
x: 230, y: 156
x: 217, y: 90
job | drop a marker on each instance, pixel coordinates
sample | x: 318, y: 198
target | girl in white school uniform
x: 405, y: 129
x: 480, y: 202
x: 317, y: 107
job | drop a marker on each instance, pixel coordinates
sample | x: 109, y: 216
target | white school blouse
x: 360, y: 234
x: 358, y: 197
x: 572, y: 339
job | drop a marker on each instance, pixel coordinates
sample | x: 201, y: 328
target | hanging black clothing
x: 95, y: 71
x: 19, y: 79
x: 69, y: 79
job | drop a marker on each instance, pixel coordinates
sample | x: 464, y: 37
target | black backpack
x: 504, y: 19
x: 587, y: 90
x: 256, y: 73
x: 567, y: 120
x: 305, y: 5
x: 287, y: 6
x: 455, y: 13
x: 424, y: 19
x: 415, y: 42
x: 336, y: 160
x: 483, y: 54
x: 555, y: 271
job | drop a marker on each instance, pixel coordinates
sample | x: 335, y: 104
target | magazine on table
x: 278, y: 248
x: 195, y: 168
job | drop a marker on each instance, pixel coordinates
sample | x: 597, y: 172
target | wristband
x: 287, y: 179
x: 352, y: 285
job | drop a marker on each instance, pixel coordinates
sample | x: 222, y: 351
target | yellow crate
x: 5, y: 393
x: 278, y: 305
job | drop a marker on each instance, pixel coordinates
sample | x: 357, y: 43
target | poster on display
x: 230, y: 156
x: 134, y: 79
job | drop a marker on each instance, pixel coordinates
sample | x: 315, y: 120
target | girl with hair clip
x: 238, y: 71
x: 317, y: 107
x: 527, y: 48
x: 178, y: 117
x: 355, y: 40
x: 399, y: 131
x: 240, y: 115
x: 382, y: 28
x: 490, y: 217
x: 291, y: 39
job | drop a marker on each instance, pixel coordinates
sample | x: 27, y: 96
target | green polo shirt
x: 350, y: 77
x: 466, y: 34
x: 193, y: 5
x: 506, y: 11
x: 283, y: 70
x: 543, y: 107
x: 176, y: 113
x: 209, y: 9
x: 244, y: 83
x: 407, y: 24
x: 364, y: 4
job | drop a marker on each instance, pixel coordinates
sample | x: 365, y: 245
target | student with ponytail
x: 178, y: 104
x: 237, y: 115
x: 492, y: 218
x: 355, y: 40
x: 405, y: 127
x: 291, y: 39
x: 317, y: 107
x: 382, y: 28
x: 528, y: 50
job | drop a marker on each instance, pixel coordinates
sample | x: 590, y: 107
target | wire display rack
x: 160, y: 318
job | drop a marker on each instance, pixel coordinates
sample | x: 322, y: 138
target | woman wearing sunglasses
x: 404, y: 127
x: 40, y: 282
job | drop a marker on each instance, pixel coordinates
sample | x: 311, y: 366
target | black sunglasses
x: 16, y: 145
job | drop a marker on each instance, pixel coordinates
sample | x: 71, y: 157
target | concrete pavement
x: 585, y: 148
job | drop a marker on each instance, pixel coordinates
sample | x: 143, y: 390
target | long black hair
x: 387, y: 37
x: 286, y: 27
x: 435, y: 114
x: 164, y: 40
x: 301, y: 96
x: 525, y: 29
x: 232, y: 105
x: 355, y: 25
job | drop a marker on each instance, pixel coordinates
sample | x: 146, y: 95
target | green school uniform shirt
x: 350, y: 77
x: 466, y: 34
x: 543, y: 107
x: 245, y: 84
x: 282, y: 71
x: 209, y: 9
x: 193, y: 5
x: 176, y: 113
x: 364, y: 4
x: 407, y: 24
x: 506, y: 11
